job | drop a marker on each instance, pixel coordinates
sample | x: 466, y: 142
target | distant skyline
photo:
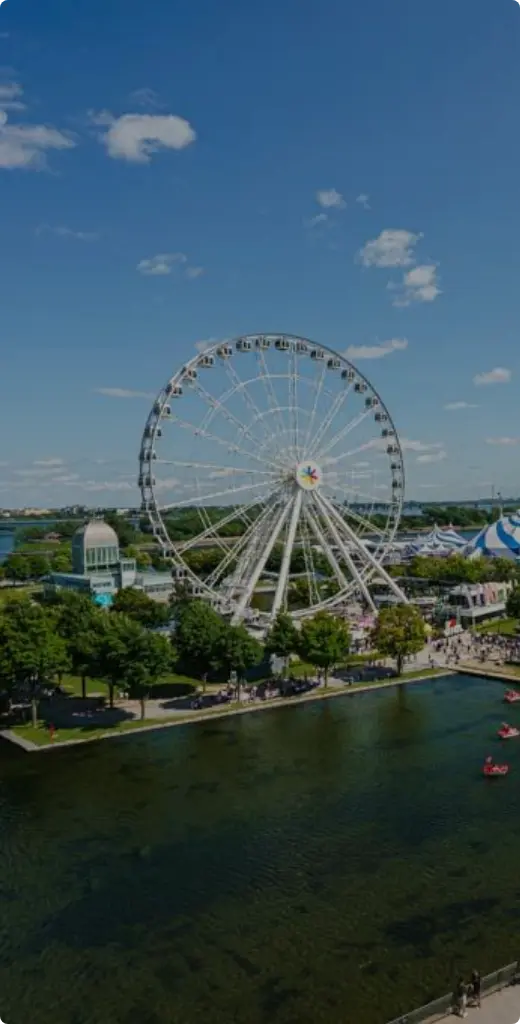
x: 175, y: 174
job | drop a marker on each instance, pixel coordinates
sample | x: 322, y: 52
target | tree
x: 141, y: 608
x: 79, y: 623
x: 399, y: 632
x: 142, y: 558
x: 32, y: 652
x: 147, y: 658
x: 38, y: 565
x: 513, y: 604
x: 324, y: 641
x: 282, y: 638
x: 236, y: 651
x: 61, y: 562
x: 16, y: 568
x: 197, y: 636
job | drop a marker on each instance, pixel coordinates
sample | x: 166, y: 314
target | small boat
x: 491, y: 770
x: 511, y: 697
x: 508, y: 732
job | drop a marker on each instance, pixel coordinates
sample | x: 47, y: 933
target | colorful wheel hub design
x: 308, y: 475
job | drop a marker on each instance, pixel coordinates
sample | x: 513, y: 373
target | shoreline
x: 277, y: 702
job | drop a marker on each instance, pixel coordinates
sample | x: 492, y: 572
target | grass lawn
x: 17, y: 593
x: 504, y: 627
x: 41, y: 736
x: 170, y: 683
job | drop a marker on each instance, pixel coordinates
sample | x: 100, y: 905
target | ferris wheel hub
x: 308, y: 475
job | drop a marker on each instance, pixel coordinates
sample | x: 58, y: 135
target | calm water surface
x: 336, y: 862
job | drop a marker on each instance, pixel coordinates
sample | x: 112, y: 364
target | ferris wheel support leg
x: 259, y: 567
x: 281, y: 586
x: 329, y: 555
x: 322, y: 505
x: 367, y: 555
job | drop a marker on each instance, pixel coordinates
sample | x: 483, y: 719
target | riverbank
x: 38, y: 740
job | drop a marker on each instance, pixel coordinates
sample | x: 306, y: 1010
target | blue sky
x: 268, y: 123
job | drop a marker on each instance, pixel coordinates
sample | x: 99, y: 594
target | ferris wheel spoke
x: 354, y: 572
x: 293, y: 401
x: 228, y: 492
x: 332, y: 460
x: 231, y: 517
x: 326, y: 548
x: 353, y: 494
x: 220, y: 470
x: 345, y: 431
x: 329, y: 418
x: 310, y: 568
x: 267, y: 382
x: 235, y: 552
x: 231, y: 446
x: 283, y: 578
x: 318, y: 391
x: 222, y: 409
x: 259, y: 566
x: 362, y: 551
x: 242, y: 388
x: 357, y: 518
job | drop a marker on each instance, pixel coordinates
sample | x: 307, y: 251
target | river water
x: 338, y: 861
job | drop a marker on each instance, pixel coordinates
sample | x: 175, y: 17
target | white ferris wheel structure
x: 281, y: 453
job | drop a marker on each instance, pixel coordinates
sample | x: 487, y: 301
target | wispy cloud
x: 503, y: 440
x: 452, y: 406
x: 330, y: 199
x: 392, y: 248
x: 418, y: 285
x: 363, y: 201
x: 146, y: 98
x: 313, y: 222
x: 432, y: 457
x: 49, y: 462
x: 11, y: 96
x: 376, y: 351
x: 500, y: 375
x: 65, y: 232
x: 26, y: 146
x: 162, y: 264
x: 136, y: 137
x: 123, y: 393
x: 192, y: 273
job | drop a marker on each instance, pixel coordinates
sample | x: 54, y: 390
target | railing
x: 443, y: 1006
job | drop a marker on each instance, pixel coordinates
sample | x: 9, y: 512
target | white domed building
x: 498, y: 540
x: 99, y: 569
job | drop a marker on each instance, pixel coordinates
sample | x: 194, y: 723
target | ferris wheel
x: 272, y: 476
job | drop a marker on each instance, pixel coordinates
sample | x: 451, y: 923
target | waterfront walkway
x: 500, y: 1007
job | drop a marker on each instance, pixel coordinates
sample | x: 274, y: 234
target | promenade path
x: 500, y: 1007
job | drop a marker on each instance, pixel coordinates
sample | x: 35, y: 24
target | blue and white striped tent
x: 438, y: 542
x: 499, y: 540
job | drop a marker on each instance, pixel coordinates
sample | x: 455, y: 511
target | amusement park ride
x: 296, y: 450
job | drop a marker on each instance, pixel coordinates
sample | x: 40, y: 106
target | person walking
x: 461, y: 993
x: 475, y: 988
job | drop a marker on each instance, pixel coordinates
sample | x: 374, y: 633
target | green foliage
x: 283, y: 638
x: 399, y: 632
x: 324, y: 641
x: 17, y: 568
x: 125, y: 531
x: 80, y: 624
x: 141, y: 608
x: 236, y: 651
x: 31, y: 650
x: 198, y: 632
x: 513, y: 604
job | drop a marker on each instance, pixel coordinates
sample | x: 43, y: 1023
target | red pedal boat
x: 508, y: 732
x: 511, y: 697
x: 491, y: 770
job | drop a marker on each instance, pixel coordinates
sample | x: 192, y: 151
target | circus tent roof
x: 438, y: 542
x: 498, y: 540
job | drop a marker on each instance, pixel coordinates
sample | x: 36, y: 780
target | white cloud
x: 392, y: 248
x: 123, y: 393
x: 10, y: 96
x: 320, y: 218
x: 330, y: 198
x: 419, y: 446
x: 503, y: 440
x: 49, y: 462
x: 376, y: 351
x: 64, y: 232
x: 65, y: 478
x: 147, y: 98
x: 418, y: 285
x: 135, y: 137
x: 362, y: 200
x: 500, y: 375
x: 460, y: 405
x: 192, y: 273
x: 429, y: 486
x: 432, y: 457
x: 162, y: 264
x: 27, y: 145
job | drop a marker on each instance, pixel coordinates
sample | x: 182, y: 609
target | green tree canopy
x: 80, y: 624
x: 283, y: 637
x: 198, y: 632
x: 399, y: 632
x: 31, y: 650
x: 513, y: 604
x: 141, y: 608
x: 236, y: 651
x: 324, y: 641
